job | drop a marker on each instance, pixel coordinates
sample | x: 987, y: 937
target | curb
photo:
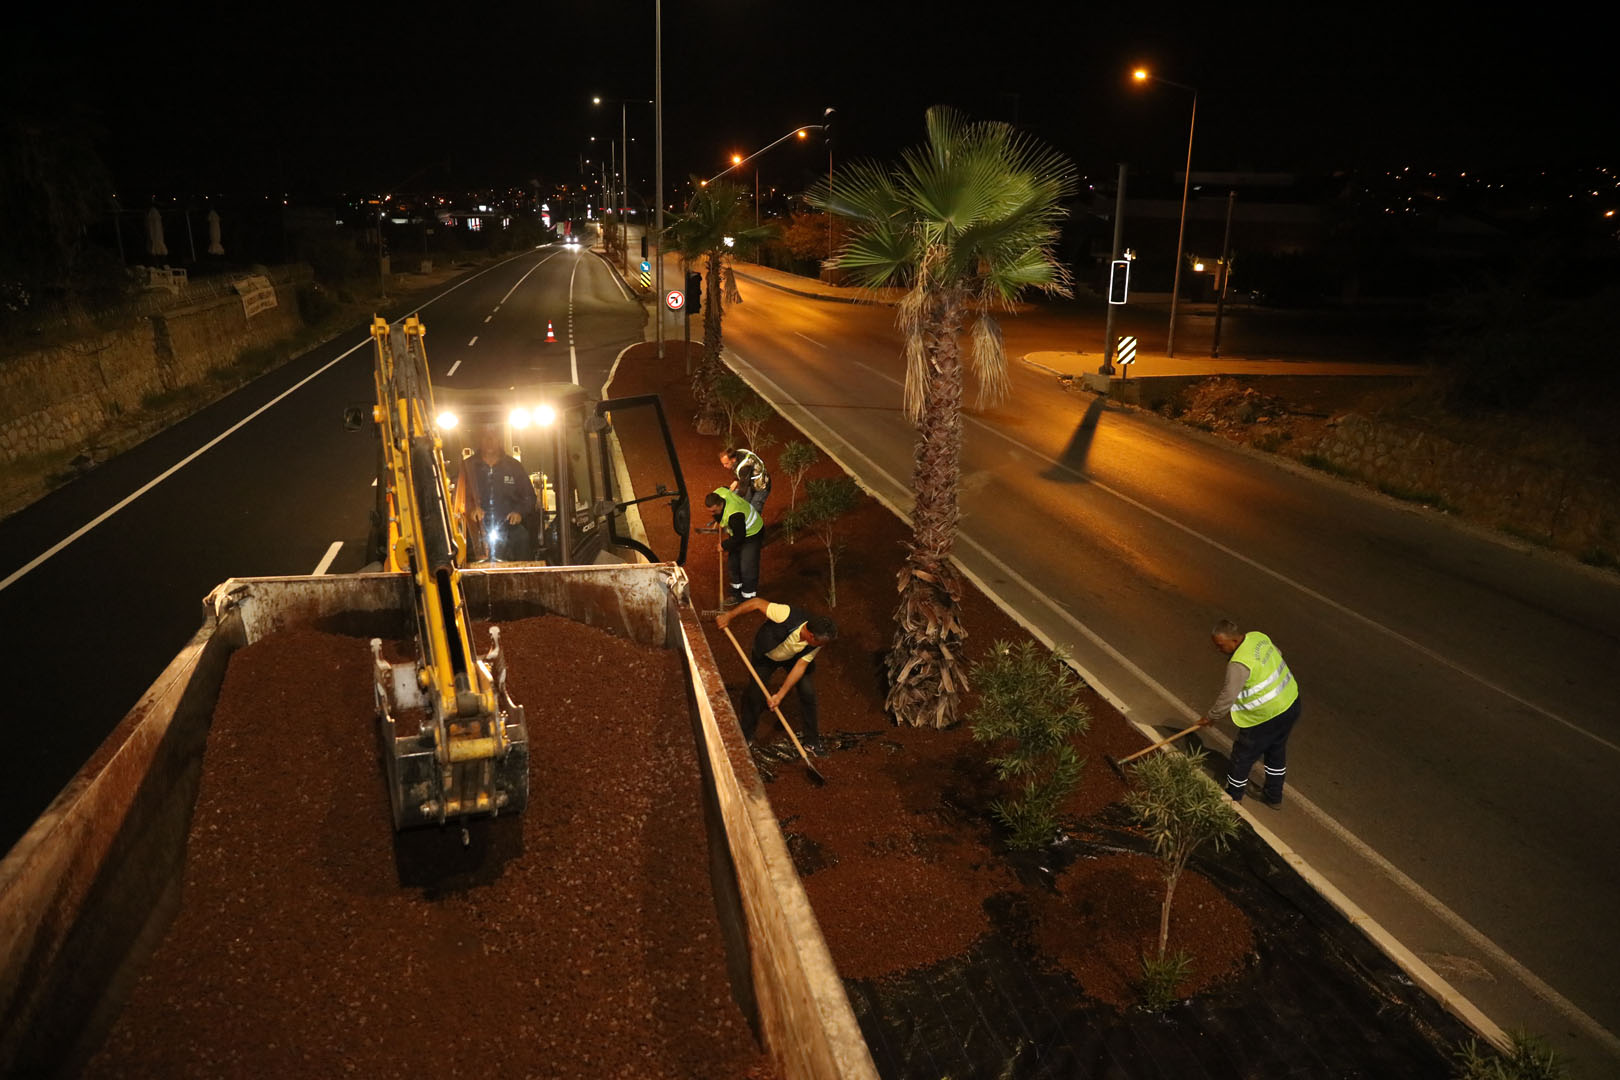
x: 1454, y: 1001
x: 873, y: 302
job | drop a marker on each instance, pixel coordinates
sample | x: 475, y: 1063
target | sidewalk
x: 1082, y: 365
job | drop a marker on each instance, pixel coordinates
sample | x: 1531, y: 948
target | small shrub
x: 730, y: 395
x: 1160, y: 977
x: 315, y: 305
x: 1031, y: 698
x: 795, y: 460
x: 1600, y: 557
x: 1529, y: 1059
x: 1317, y: 461
x: 1180, y: 810
x: 751, y: 418
x: 825, y: 502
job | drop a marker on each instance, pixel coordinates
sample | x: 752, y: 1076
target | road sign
x: 646, y: 274
x: 674, y: 299
x: 1119, y: 280
x: 1125, y: 353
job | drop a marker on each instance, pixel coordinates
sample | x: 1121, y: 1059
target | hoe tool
x: 815, y: 773
x: 1118, y: 766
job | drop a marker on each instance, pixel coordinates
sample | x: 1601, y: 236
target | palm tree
x: 964, y: 223
x: 720, y: 218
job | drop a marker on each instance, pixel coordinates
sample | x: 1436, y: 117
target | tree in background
x: 1029, y: 705
x: 53, y: 186
x: 825, y: 501
x: 752, y: 418
x: 965, y: 223
x: 719, y: 212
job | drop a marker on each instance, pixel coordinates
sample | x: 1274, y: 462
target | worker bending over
x: 1262, y: 697
x: 753, y: 482
x: 733, y: 515
x: 790, y: 639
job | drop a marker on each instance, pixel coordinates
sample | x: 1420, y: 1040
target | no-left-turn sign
x: 675, y: 299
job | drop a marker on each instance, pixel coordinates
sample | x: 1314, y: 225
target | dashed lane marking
x: 455, y: 365
x: 326, y: 560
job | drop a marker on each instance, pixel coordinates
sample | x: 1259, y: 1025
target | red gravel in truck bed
x: 577, y: 940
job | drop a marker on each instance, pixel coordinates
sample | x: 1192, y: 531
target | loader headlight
x: 519, y: 418
x: 447, y: 420
x: 545, y: 415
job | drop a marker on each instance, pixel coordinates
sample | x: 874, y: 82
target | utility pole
x: 658, y: 167
x: 1181, y: 232
x: 1119, y: 235
x: 624, y: 187
x: 1226, y: 275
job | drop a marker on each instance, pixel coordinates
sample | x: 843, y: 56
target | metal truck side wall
x: 91, y: 888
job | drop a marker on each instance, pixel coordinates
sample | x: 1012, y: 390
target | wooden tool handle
x: 1161, y: 742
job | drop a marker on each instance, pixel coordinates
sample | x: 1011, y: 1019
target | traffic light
x: 694, y: 291
x: 1119, y: 281
x: 643, y: 245
x: 826, y: 127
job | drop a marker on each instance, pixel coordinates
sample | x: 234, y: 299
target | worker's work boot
x: 1273, y: 801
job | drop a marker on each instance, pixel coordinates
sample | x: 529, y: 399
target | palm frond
x: 990, y: 360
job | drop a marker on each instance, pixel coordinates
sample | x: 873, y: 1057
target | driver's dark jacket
x: 499, y: 489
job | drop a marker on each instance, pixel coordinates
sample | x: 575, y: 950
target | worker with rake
x: 789, y: 639
x: 1262, y: 697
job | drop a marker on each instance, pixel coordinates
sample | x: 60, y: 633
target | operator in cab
x: 494, y: 494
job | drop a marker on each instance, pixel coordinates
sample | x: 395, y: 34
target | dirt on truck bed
x: 579, y: 939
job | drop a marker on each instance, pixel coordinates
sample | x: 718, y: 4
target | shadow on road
x: 1073, y: 458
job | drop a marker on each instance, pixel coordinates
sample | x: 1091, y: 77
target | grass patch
x: 1322, y: 464
x: 1425, y: 498
x: 1601, y: 557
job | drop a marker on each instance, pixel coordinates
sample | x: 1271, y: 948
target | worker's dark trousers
x: 754, y: 700
x: 742, y: 569
x: 1268, y: 740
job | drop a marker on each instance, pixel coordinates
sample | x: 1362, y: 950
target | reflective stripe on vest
x: 1270, y: 688
x: 736, y: 504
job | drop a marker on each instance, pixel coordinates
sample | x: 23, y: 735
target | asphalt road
x: 1453, y: 772
x: 264, y: 481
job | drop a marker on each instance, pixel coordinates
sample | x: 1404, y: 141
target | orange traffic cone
x: 551, y: 335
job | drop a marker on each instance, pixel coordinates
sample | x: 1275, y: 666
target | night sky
x: 295, y: 97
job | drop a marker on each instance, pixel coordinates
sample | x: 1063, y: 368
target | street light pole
x: 658, y: 167
x: 1181, y: 233
x: 624, y: 189
x: 1119, y: 235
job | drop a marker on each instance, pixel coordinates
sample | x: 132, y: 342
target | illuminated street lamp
x: 1143, y: 75
x: 624, y: 177
x: 801, y: 132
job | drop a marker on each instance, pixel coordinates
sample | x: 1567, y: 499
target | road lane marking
x: 573, y: 355
x: 373, y: 481
x: 453, y: 367
x: 811, y: 340
x: 524, y: 278
x: 473, y: 342
x: 1358, y: 917
x: 1277, y: 575
x: 38, y: 560
x: 613, y: 273
x: 488, y: 317
x: 326, y: 560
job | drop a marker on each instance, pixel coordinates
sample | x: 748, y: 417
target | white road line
x: 573, y: 355
x: 34, y: 563
x: 373, y: 481
x: 452, y: 370
x: 488, y: 317
x: 811, y: 340
x: 1475, y: 936
x: 473, y: 342
x: 522, y: 279
x: 1306, y: 590
x: 613, y: 272
x: 326, y: 560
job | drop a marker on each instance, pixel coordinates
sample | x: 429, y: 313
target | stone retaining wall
x: 62, y: 397
x: 1561, y: 507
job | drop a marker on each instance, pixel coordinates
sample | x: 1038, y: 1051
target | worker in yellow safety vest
x: 1262, y: 697
x: 741, y: 525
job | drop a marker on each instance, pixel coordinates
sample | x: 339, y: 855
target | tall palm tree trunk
x: 926, y: 670
x: 709, y: 368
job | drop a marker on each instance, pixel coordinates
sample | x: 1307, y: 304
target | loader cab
x: 543, y: 428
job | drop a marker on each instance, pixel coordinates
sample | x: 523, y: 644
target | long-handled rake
x: 1118, y: 766
x: 815, y: 773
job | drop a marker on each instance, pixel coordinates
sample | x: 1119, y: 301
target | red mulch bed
x: 902, y: 852
x: 578, y: 939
